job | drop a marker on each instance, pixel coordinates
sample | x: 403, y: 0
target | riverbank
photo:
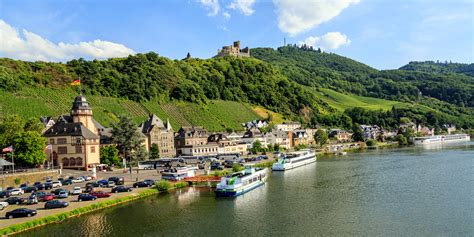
x: 80, y: 208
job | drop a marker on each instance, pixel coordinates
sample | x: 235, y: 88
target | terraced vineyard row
x: 172, y: 111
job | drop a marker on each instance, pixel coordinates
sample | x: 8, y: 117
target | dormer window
x: 78, y: 140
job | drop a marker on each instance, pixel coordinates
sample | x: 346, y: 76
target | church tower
x: 81, y: 112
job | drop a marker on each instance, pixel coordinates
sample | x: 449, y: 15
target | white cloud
x: 33, y: 47
x: 226, y: 15
x: 297, y: 16
x: 212, y: 6
x: 244, y: 6
x: 329, y: 41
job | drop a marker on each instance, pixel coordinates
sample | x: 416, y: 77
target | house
x: 256, y: 124
x: 279, y: 137
x: 287, y: 126
x: 450, y: 128
x: 370, y: 131
x: 74, y: 138
x: 303, y: 136
x: 47, y: 122
x: 340, y: 135
x: 192, y: 139
x: 226, y: 145
x: 156, y: 132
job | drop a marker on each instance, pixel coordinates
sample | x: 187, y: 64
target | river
x: 409, y: 191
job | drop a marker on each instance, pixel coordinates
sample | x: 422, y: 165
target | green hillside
x: 217, y: 115
x: 440, y: 67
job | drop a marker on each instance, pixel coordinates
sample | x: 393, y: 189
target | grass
x: 276, y: 118
x: 215, y: 116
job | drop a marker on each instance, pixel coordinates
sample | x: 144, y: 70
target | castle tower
x: 81, y: 112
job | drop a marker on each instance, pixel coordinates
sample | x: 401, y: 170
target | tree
x: 29, y: 148
x: 321, y: 137
x: 9, y: 127
x: 357, y: 135
x: 128, y: 138
x: 154, y: 151
x: 256, y: 146
x: 109, y: 155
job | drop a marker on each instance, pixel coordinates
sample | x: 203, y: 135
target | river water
x: 410, y: 191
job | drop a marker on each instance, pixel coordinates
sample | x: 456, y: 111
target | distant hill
x: 289, y: 83
x: 439, y: 67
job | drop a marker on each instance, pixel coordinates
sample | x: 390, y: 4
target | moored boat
x: 241, y: 182
x: 294, y: 159
x: 441, y: 139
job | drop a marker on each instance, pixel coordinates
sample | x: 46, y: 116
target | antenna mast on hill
x: 284, y: 41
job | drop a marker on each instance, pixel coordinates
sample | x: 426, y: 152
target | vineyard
x: 215, y: 116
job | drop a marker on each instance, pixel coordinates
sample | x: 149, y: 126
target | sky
x: 384, y: 34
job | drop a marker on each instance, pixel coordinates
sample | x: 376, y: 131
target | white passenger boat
x: 241, y: 182
x: 441, y: 139
x: 177, y: 174
x: 294, y: 159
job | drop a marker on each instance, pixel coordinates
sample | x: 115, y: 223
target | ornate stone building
x: 74, y: 138
x: 156, y: 132
x: 233, y: 50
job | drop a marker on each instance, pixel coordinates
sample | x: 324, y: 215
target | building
x: 226, y: 145
x: 74, y: 138
x: 233, y: 50
x: 287, y: 126
x: 340, y: 135
x: 47, y: 122
x: 188, y: 138
x: 303, y: 137
x: 156, y: 132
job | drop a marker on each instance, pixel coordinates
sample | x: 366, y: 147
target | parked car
x: 110, y: 184
x: 216, y: 166
x: 103, y: 182
x: 20, y: 212
x: 31, y: 189
x: 39, y: 186
x: 49, y: 180
x: 141, y: 184
x: 47, y: 197
x: 3, y: 205
x: 4, y: 194
x: 63, y: 194
x: 86, y: 197
x: 48, y: 185
x: 23, y: 186
x: 56, y: 184
x: 87, y: 178
x: 78, y: 180
x: 16, y: 192
x: 149, y: 181
x: 93, y: 184
x: 100, y: 194
x: 15, y: 200
x: 88, y: 189
x: 57, y: 191
x: 9, y: 188
x: 121, y: 189
x: 117, y: 180
x: 55, y: 204
x: 32, y: 199
x: 66, y: 182
x: 76, y: 191
x: 40, y: 195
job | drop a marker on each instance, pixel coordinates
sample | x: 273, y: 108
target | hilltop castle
x: 233, y: 50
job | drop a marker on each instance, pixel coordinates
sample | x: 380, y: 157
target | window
x: 62, y: 149
x: 78, y: 149
x: 51, y: 141
x: 62, y: 140
x: 78, y: 140
x: 92, y: 149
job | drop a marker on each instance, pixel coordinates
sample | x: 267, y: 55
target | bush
x: 181, y: 185
x: 237, y: 167
x: 162, y: 185
x: 371, y: 143
x: 17, y: 181
x: 221, y: 173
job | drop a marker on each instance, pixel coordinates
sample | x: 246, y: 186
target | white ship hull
x: 292, y: 163
x: 441, y: 139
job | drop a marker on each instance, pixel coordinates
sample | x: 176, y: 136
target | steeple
x: 81, y: 112
x: 168, y: 124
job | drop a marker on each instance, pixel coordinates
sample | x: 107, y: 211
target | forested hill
x: 440, y: 67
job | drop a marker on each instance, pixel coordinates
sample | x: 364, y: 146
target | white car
x: 87, y: 178
x: 78, y: 180
x: 17, y: 192
x: 3, y: 205
x: 57, y: 184
x: 76, y: 191
x: 110, y: 184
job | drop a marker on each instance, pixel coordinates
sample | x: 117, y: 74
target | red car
x: 47, y: 197
x: 100, y: 194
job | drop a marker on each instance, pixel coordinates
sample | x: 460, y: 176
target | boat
x: 294, y: 159
x: 179, y: 173
x: 241, y: 182
x: 441, y: 139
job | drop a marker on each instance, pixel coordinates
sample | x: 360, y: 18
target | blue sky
x: 383, y: 34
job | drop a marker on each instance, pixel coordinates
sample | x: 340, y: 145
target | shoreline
x: 61, y: 216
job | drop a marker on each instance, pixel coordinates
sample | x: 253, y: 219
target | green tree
x: 154, y: 151
x: 109, y: 155
x: 321, y: 137
x: 402, y: 140
x: 128, y: 139
x: 357, y: 135
x: 29, y: 148
x: 256, y: 146
x: 9, y: 127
